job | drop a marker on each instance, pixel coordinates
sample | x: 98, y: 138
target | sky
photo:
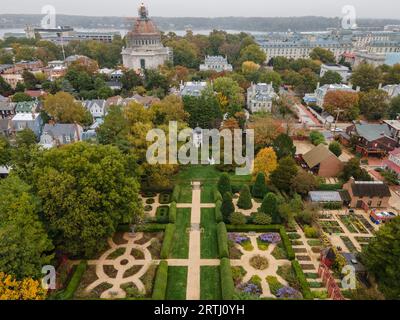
x: 209, y: 8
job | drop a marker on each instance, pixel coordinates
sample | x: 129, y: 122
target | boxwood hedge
x: 172, y: 212
x: 160, y: 283
x: 227, y: 285
x: 167, y: 243
x: 217, y: 195
x: 73, y: 284
x: 218, y: 214
x: 304, y: 286
x: 176, y: 193
x: 222, y: 241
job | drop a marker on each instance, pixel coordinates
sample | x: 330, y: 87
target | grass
x: 207, y: 195
x: 210, y: 283
x: 206, y: 173
x: 209, y: 241
x: 177, y: 281
x: 180, y: 246
x: 186, y: 193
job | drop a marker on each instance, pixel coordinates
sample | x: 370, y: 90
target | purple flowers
x: 270, y: 238
x: 250, y: 288
x: 237, y: 238
x: 289, y: 293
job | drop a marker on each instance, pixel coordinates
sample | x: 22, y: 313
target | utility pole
x: 338, y: 112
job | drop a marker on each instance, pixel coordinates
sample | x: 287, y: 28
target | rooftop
x: 370, y: 189
x: 316, y: 155
x: 372, y: 132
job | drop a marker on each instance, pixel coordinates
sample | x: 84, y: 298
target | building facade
x: 144, y: 49
x: 341, y: 70
x: 260, y: 97
x: 216, y: 63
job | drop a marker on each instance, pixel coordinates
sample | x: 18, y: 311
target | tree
x: 283, y: 176
x: 238, y: 219
x: 336, y: 148
x: 24, y: 245
x: 373, y: 104
x: 249, y: 67
x: 269, y: 76
x: 259, y: 188
x: 5, y: 151
x: 86, y: 191
x: 347, y: 102
x: 30, y: 80
x: 266, y: 130
x: 269, y: 206
x: 394, y: 108
x: 185, y: 53
x: 283, y: 146
x: 156, y: 82
x: 228, y: 92
x: 381, y: 257
x: 227, y: 207
x: 265, y: 162
x: 21, y: 97
x: 224, y: 184
x: 130, y: 80
x: 245, y: 201
x: 353, y: 169
x: 304, y: 182
x: 5, y: 89
x: 366, y: 76
x: 331, y: 77
x: 63, y: 108
x: 253, y: 53
x: 26, y: 289
x: 323, y: 55
x: 393, y: 76
x: 317, y: 138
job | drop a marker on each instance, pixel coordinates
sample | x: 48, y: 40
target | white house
x: 60, y: 134
x: 342, y: 70
x: 31, y: 121
x: 321, y: 92
x: 393, y: 90
x: 193, y: 89
x: 216, y: 63
x: 260, y: 97
x: 97, y: 108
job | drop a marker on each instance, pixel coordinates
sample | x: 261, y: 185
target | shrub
x: 148, y: 208
x: 172, y: 212
x: 224, y: 184
x: 150, y: 201
x: 162, y: 214
x: 274, y: 284
x: 310, y: 232
x: 236, y: 188
x: 227, y: 285
x: 336, y: 148
x: 218, y: 214
x: 222, y: 241
x: 227, y: 207
x: 238, y: 219
x: 317, y: 138
x: 160, y: 283
x: 165, y: 198
x: 259, y: 188
x: 270, y: 206
x: 333, y: 205
x: 73, y: 284
x: 176, y: 193
x: 304, y: 287
x: 329, y: 187
x: 244, y: 201
x: 168, y: 239
x: 258, y: 262
x: 262, y: 219
x: 217, y: 195
x: 150, y: 228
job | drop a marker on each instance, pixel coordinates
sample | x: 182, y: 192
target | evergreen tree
x: 244, y: 201
x: 224, y: 184
x: 259, y: 188
x: 283, y: 176
x: 227, y: 208
x: 283, y: 146
x: 270, y: 207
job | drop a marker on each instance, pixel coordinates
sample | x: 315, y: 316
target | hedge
x: 151, y: 227
x: 218, y: 214
x: 160, y: 283
x: 167, y: 243
x: 271, y: 228
x: 304, y: 286
x: 217, y: 195
x: 176, y: 193
x: 73, y: 284
x: 222, y: 241
x: 333, y: 205
x: 329, y: 187
x: 172, y: 212
x: 227, y: 285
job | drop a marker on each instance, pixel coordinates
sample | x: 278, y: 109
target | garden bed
x: 330, y: 226
x: 349, y: 244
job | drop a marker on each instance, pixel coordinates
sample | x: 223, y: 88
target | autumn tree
x: 25, y: 289
x: 265, y: 162
x: 347, y: 102
x: 304, y: 182
x: 24, y: 244
x: 283, y: 176
x: 253, y: 53
x: 374, y: 105
x: 324, y: 55
x: 86, y: 191
x: 266, y: 130
x: 228, y: 92
x: 249, y: 67
x: 63, y: 108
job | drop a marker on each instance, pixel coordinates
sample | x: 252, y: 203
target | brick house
x: 368, y: 194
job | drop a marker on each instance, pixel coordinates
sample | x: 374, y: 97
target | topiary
x: 259, y: 187
x: 269, y: 206
x: 227, y: 207
x: 262, y: 219
x: 238, y: 219
x: 224, y: 184
x: 244, y: 201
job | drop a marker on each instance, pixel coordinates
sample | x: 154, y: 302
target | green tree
x: 382, y: 256
x: 283, y: 146
x: 253, y: 53
x: 21, y: 97
x: 304, y: 182
x: 5, y: 88
x: 30, y: 80
x: 5, y: 151
x: 394, y: 108
x: 130, y: 80
x: 185, y: 53
x: 24, y: 245
x: 373, y: 104
x: 323, y: 55
x: 353, y: 169
x: 331, y: 77
x: 86, y: 191
x: 317, y: 138
x: 157, y: 82
x: 259, y: 188
x: 269, y: 206
x: 336, y: 148
x: 366, y: 76
x: 224, y: 184
x: 227, y: 208
x: 229, y: 92
x: 245, y: 201
x: 284, y: 174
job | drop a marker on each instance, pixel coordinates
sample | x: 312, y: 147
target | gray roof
x: 372, y: 132
x: 89, y: 103
x: 7, y: 106
x: 325, y: 196
x: 60, y: 129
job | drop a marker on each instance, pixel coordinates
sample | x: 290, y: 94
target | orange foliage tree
x: 265, y: 162
x: 26, y: 289
x: 345, y: 101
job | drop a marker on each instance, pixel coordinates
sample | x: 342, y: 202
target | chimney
x: 318, y: 85
x: 380, y: 86
x: 358, y: 89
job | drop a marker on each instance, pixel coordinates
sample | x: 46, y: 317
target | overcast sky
x: 209, y: 8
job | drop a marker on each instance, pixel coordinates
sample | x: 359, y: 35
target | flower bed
x: 331, y: 226
x: 259, y: 263
x: 349, y: 244
x: 348, y: 223
x: 241, y: 240
x: 148, y: 208
x: 165, y: 198
x: 365, y: 222
x: 272, y: 238
x: 288, y: 293
x: 150, y: 201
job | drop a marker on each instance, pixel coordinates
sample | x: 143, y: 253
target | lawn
x: 206, y: 173
x: 209, y: 241
x: 210, y: 283
x: 186, y: 193
x: 180, y: 246
x: 177, y: 281
x: 207, y: 193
